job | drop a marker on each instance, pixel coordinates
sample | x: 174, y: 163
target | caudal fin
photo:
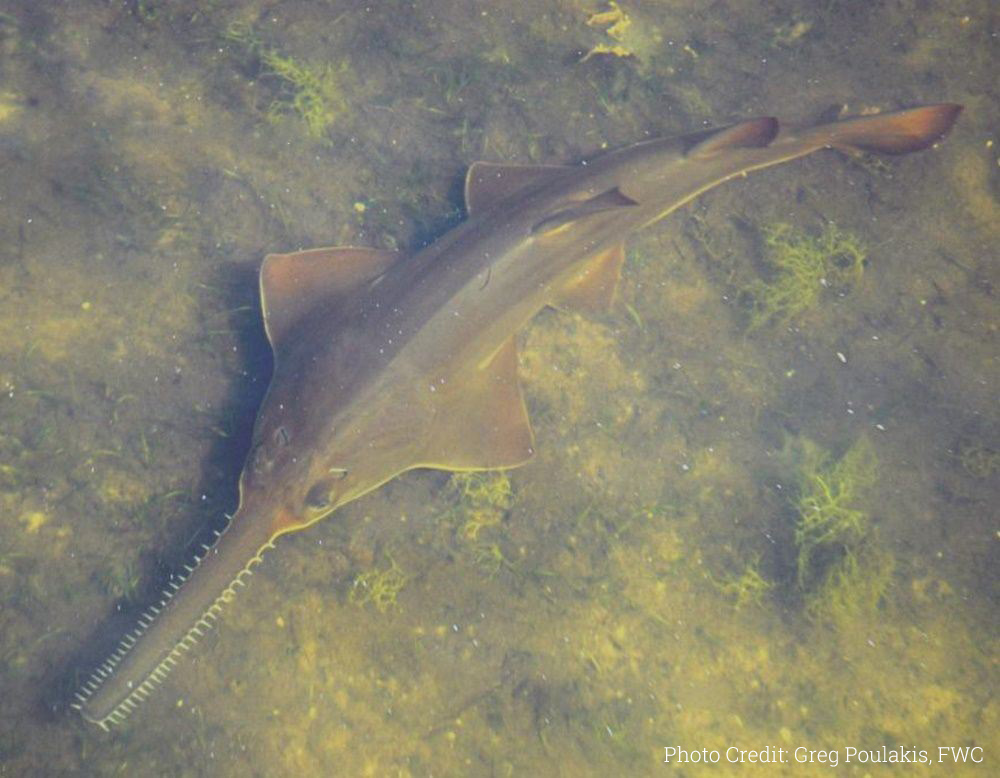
x: 898, y: 132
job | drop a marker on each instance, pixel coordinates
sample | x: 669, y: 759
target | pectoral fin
x: 482, y: 423
x: 292, y: 285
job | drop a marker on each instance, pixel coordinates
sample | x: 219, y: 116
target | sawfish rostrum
x: 384, y: 363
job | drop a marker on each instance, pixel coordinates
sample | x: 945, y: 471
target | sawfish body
x: 385, y: 363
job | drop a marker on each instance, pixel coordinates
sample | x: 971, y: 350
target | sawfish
x: 384, y: 363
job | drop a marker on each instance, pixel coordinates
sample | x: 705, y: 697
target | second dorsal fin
x: 753, y: 133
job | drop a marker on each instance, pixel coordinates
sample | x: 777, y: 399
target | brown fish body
x: 385, y: 363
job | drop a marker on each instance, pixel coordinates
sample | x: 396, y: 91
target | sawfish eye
x: 320, y: 495
x: 282, y: 436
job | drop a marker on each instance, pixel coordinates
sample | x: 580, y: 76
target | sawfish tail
x: 190, y: 605
x: 897, y: 132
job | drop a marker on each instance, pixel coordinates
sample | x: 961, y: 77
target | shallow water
x: 654, y: 577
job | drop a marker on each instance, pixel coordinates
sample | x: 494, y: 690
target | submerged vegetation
x: 482, y: 501
x: 484, y: 498
x: 842, y: 570
x: 380, y: 587
x: 315, y: 93
x: 121, y: 581
x: 748, y: 588
x: 853, y: 587
x: 829, y: 521
x: 802, y: 269
x: 837, y: 569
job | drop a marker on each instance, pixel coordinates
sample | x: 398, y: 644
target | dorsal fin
x: 753, y: 133
x: 292, y: 285
x: 487, y: 183
x: 568, y: 212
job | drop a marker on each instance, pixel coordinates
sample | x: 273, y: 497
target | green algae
x: 491, y: 489
x: 491, y: 558
x: 748, y: 588
x: 855, y: 587
x: 802, y: 269
x: 483, y: 499
x: 379, y: 587
x: 120, y: 581
x: 314, y: 93
x: 842, y: 570
x: 828, y: 516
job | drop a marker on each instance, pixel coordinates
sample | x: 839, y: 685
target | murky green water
x: 748, y: 524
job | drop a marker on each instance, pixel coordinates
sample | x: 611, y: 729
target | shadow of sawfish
x: 384, y: 363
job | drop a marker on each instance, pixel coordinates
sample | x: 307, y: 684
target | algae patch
x: 843, y: 571
x: 802, y: 268
x: 120, y: 581
x: 748, y: 588
x: 829, y: 519
x: 484, y: 498
x: 380, y: 587
x: 854, y: 587
x: 314, y: 93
